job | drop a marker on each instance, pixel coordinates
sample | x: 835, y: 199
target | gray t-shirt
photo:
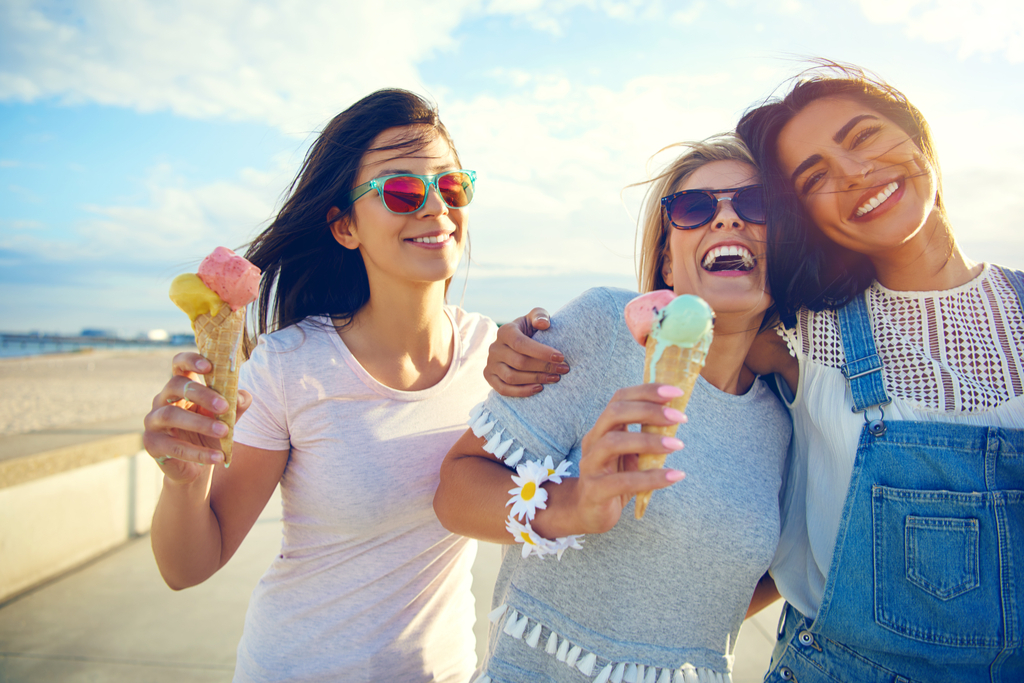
x: 669, y: 591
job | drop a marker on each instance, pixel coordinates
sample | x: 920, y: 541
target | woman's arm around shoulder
x: 770, y: 354
x: 517, y: 365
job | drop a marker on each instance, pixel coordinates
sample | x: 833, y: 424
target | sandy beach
x: 68, y: 389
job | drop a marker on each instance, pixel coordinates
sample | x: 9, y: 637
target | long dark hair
x: 305, y: 271
x: 805, y: 268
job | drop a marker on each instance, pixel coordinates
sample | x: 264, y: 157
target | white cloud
x: 288, y: 64
x: 177, y: 223
x: 979, y: 26
x: 689, y: 15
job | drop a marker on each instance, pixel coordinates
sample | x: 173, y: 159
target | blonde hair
x: 653, y: 226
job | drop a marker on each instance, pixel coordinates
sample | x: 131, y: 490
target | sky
x: 136, y: 136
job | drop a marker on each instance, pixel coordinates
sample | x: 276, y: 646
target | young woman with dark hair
x: 358, y: 386
x: 901, y: 548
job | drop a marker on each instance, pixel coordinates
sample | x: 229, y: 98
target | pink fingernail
x: 669, y: 391
x: 674, y: 475
x: 220, y: 429
x: 219, y: 404
x: 203, y: 365
x: 674, y: 415
x: 673, y: 443
x: 217, y: 457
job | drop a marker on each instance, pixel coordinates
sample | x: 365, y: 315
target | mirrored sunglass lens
x: 750, y: 203
x: 456, y: 189
x: 690, y: 210
x: 403, y: 194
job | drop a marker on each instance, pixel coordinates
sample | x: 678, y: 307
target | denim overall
x: 927, y: 578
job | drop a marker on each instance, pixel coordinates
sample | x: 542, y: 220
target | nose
x: 726, y: 216
x: 434, y: 205
x: 854, y: 168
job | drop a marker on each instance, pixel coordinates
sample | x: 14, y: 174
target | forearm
x: 185, y: 534
x: 474, y: 490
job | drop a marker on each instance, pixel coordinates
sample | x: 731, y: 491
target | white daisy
x: 555, y: 474
x: 532, y: 542
x: 563, y: 543
x: 528, y: 496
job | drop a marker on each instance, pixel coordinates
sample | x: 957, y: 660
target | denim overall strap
x: 926, y: 582
x: 863, y: 368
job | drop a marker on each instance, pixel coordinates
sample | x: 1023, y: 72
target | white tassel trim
x: 552, y: 645
x: 534, y: 638
x: 520, y: 628
x: 482, y: 424
x: 517, y: 625
x: 586, y: 664
x: 563, y: 650
x: 514, y: 459
x: 510, y: 623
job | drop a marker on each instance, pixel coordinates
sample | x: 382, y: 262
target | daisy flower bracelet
x: 528, y: 496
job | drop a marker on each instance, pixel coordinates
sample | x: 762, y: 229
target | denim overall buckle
x: 876, y: 428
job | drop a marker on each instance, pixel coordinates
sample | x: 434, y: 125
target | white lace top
x: 948, y: 356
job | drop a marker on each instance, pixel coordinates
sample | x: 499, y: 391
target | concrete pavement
x: 114, y: 620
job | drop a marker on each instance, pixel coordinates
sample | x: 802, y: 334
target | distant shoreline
x: 29, y: 345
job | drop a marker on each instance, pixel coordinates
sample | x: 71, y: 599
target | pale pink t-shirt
x: 368, y: 586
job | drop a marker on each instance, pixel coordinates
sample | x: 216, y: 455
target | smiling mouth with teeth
x: 873, y: 203
x: 730, y: 257
x: 430, y: 240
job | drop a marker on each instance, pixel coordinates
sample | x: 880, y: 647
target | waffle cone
x: 219, y: 338
x: 679, y: 366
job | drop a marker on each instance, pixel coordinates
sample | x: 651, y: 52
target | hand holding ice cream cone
x: 676, y: 332
x: 215, y: 299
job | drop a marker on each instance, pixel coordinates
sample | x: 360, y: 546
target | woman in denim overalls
x: 902, y: 549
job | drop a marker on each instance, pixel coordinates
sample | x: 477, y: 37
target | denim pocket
x: 930, y: 584
x: 942, y: 555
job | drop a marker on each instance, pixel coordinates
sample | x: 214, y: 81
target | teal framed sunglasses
x: 404, y: 193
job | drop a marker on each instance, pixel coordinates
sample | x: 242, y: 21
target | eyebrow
x: 837, y: 138
x: 402, y: 170
x: 806, y: 164
x: 845, y: 130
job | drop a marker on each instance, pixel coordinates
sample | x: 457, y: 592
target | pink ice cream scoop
x: 230, y: 276
x: 640, y: 312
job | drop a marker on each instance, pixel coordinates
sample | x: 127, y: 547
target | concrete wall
x: 61, y: 508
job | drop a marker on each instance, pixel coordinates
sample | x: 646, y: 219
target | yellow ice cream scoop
x: 192, y: 296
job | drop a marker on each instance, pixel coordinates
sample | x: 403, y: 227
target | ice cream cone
x: 679, y: 366
x: 219, y: 338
